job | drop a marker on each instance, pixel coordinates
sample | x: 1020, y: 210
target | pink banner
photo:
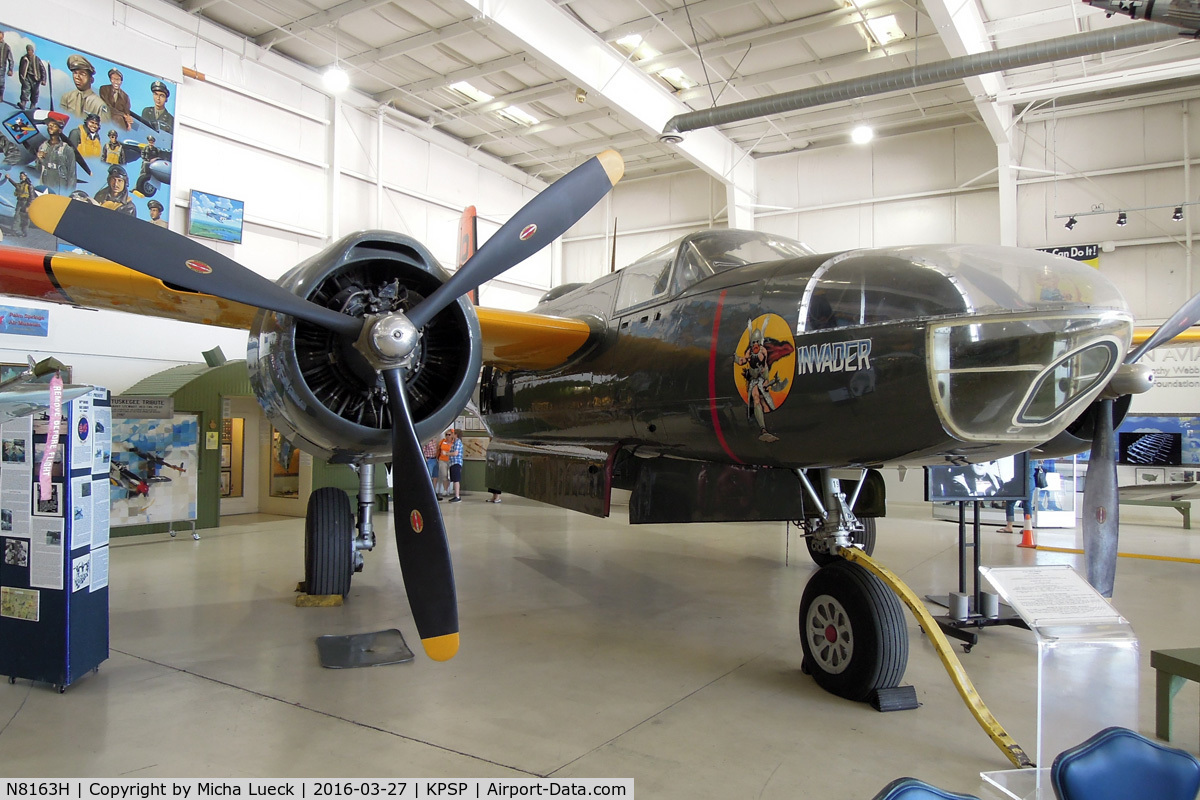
x: 47, y: 466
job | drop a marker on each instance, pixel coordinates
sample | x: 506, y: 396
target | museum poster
x: 79, y: 124
x: 44, y: 533
x: 154, y: 465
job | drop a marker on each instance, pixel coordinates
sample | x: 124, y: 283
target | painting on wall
x: 153, y: 470
x: 79, y: 124
x: 214, y: 217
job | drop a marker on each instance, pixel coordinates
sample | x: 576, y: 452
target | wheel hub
x: 830, y: 637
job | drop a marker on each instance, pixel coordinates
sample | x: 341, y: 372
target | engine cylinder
x: 320, y: 392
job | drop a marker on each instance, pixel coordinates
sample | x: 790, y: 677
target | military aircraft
x: 358, y: 354
x: 730, y: 375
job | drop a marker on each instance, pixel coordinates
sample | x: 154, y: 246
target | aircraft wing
x: 511, y: 339
x: 21, y: 401
x: 1190, y: 336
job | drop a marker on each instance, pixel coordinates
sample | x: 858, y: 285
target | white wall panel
x: 405, y: 160
x: 908, y: 164
x: 916, y: 222
x: 451, y: 178
x: 977, y: 218
x: 356, y: 147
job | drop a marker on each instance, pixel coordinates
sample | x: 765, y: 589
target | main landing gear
x: 852, y: 626
x: 333, y: 550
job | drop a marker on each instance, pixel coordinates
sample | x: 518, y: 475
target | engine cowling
x: 320, y: 392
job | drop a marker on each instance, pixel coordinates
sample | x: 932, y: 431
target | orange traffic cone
x: 1027, y: 533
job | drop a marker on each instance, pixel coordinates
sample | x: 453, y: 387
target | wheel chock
x: 318, y: 600
x: 305, y: 600
x: 897, y: 698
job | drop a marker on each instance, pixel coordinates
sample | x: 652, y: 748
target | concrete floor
x: 591, y: 648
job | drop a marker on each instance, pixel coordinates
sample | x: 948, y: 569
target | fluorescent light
x: 885, y: 30
x: 470, y: 92
x: 335, y: 79
x: 675, y: 77
x: 514, y: 114
x: 630, y: 42
x: 862, y: 134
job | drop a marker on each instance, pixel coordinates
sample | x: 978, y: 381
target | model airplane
x: 1180, y: 13
x: 731, y: 375
x: 23, y: 394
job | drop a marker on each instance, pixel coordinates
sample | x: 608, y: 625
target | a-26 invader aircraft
x: 732, y: 375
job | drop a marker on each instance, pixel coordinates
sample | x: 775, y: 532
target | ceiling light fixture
x: 335, y: 79
x: 1178, y: 215
x: 581, y: 95
x: 1071, y: 223
x: 885, y: 30
x: 1122, y: 218
x: 862, y: 134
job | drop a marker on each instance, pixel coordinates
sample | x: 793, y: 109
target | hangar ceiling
x: 540, y: 83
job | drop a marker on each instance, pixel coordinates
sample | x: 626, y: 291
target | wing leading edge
x: 511, y: 339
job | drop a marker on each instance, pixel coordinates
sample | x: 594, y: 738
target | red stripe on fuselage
x: 28, y: 273
x: 712, y: 382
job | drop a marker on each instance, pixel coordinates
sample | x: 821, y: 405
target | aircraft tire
x: 328, y: 542
x: 864, y: 539
x: 853, y: 632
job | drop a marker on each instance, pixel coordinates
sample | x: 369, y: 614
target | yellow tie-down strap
x: 950, y: 661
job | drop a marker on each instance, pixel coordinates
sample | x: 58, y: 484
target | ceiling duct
x: 1026, y: 55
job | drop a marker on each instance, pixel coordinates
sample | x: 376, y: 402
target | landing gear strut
x: 851, y: 625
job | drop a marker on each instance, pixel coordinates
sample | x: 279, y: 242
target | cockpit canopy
x: 684, y: 262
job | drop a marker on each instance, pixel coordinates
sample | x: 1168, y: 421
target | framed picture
x: 226, y: 483
x: 1144, y: 476
x: 211, y: 216
x: 226, y: 455
x: 52, y: 505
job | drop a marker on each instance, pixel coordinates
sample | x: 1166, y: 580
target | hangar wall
x: 262, y: 130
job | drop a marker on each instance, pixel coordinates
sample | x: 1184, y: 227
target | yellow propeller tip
x: 441, y: 648
x: 613, y: 164
x: 46, y: 211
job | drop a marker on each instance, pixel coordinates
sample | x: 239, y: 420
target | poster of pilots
x: 74, y: 123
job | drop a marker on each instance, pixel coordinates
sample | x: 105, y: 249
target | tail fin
x: 467, y: 244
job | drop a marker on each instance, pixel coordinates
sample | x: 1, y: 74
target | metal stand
x: 976, y: 614
x: 171, y: 529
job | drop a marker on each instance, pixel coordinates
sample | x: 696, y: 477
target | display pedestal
x: 1087, y: 676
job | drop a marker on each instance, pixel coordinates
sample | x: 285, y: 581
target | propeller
x: 1100, y: 495
x: 389, y: 342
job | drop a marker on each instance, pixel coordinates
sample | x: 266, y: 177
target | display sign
x: 1005, y: 479
x: 24, y: 321
x: 143, y: 407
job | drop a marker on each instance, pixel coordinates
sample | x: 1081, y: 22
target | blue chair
x: 913, y: 789
x: 1118, y: 763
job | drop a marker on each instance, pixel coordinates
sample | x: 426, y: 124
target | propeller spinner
x: 389, y: 341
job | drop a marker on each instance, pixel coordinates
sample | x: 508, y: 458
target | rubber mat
x: 363, y: 649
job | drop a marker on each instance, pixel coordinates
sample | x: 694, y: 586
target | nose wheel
x: 853, y: 632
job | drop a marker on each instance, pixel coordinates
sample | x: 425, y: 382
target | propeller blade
x: 421, y: 534
x: 175, y: 259
x: 1100, y: 505
x: 542, y: 220
x: 1180, y: 321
